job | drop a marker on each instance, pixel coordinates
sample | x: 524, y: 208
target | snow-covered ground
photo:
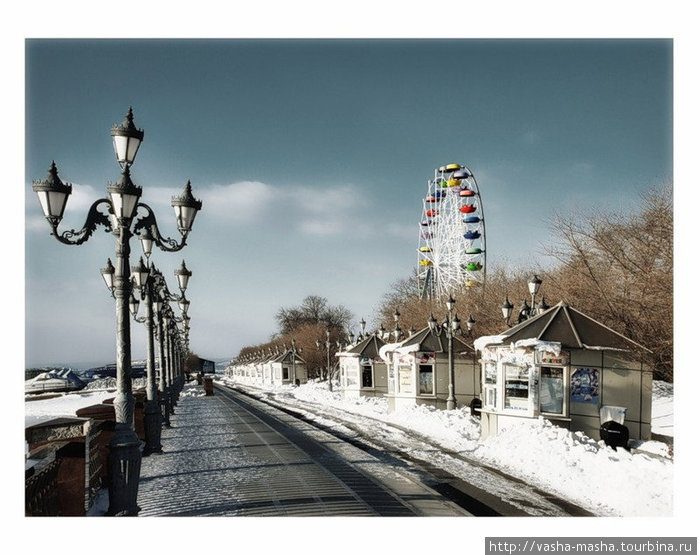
x: 569, y: 465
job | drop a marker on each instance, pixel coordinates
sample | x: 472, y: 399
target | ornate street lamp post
x: 507, y: 311
x: 526, y: 310
x: 533, y: 286
x: 295, y: 350
x: 169, y: 370
x: 397, y: 330
x: 451, y: 326
x: 122, y: 206
x: 162, y: 375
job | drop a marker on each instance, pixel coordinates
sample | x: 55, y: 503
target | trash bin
x: 612, y: 429
x: 474, y: 406
x: 614, y: 434
x: 208, y: 385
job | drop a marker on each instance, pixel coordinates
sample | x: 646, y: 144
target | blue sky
x: 311, y: 158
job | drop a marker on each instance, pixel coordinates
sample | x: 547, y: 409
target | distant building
x: 287, y: 368
x: 363, y: 373
x: 138, y: 370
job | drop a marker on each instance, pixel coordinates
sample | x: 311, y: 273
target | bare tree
x: 619, y: 269
x: 313, y: 310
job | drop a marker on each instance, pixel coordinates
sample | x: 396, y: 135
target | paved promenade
x: 238, y: 457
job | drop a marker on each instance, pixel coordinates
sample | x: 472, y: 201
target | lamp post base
x: 152, y: 423
x: 451, y: 401
x: 124, y: 472
x: 173, y: 398
x: 165, y: 409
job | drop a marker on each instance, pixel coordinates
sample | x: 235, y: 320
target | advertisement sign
x: 585, y: 385
x: 405, y: 379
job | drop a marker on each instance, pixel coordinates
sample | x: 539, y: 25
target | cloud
x: 331, y: 210
x: 241, y: 202
x: 321, y: 227
x: 313, y: 211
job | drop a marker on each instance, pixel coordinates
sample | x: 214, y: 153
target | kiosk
x: 568, y: 368
x: 418, y: 371
x: 363, y: 373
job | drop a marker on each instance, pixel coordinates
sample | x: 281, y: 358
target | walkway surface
x: 230, y: 455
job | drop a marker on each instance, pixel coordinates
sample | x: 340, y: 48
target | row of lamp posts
x: 161, y: 325
x: 123, y: 220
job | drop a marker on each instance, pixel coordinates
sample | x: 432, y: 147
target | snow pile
x: 317, y: 392
x: 111, y: 383
x: 455, y: 430
x: 662, y: 409
x: 581, y: 469
x: 54, y: 406
x: 192, y: 391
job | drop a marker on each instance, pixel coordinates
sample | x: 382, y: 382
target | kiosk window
x: 367, y: 375
x: 490, y: 372
x: 552, y: 390
x: 517, y: 387
x: 425, y: 379
x: 285, y: 373
x: 490, y: 384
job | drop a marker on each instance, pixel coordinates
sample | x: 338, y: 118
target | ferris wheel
x: 452, y: 238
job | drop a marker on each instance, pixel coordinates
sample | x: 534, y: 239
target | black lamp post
x: 162, y: 374
x: 295, y: 350
x: 451, y: 326
x: 533, y: 285
x: 121, y: 207
x: 174, y: 353
x: 507, y: 311
x: 526, y: 310
x: 397, y: 330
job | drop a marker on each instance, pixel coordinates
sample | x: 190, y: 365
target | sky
x: 311, y: 158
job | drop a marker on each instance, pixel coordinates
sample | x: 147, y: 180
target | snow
x: 662, y: 409
x: 568, y: 464
x: 46, y: 407
x: 484, y: 340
